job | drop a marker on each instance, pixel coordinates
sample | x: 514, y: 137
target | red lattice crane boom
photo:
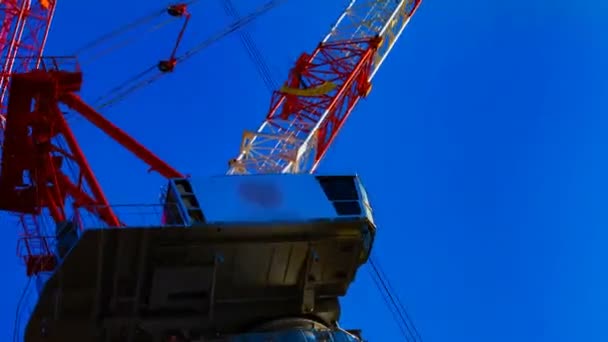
x: 323, y: 88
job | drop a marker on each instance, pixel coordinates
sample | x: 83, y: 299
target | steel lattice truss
x: 322, y: 89
x: 25, y: 27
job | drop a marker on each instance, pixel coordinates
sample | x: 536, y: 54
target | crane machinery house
x: 237, y: 255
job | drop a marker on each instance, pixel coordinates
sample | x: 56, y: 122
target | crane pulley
x: 165, y: 67
x: 178, y: 11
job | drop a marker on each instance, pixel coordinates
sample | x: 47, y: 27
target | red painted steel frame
x: 31, y: 172
x: 344, y: 63
x: 24, y: 29
x: 156, y: 164
x: 23, y: 34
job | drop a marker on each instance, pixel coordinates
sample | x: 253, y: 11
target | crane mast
x: 25, y: 28
x: 322, y: 89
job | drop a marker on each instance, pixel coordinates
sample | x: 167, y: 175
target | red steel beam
x: 33, y: 175
x: 320, y: 93
x: 34, y: 123
x: 74, y: 101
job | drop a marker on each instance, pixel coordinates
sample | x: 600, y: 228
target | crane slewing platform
x: 242, y: 256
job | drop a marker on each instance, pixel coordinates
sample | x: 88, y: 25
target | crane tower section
x: 322, y: 89
x: 25, y: 27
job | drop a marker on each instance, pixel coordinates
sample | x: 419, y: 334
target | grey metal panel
x: 133, y: 282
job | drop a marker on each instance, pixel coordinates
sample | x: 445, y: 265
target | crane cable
x: 121, y: 30
x: 252, y: 50
x: 108, y: 99
x: 398, y: 302
x: 17, y: 323
x: 395, y: 306
x: 124, y: 43
x: 142, y: 79
x: 144, y: 20
x: 404, y: 332
x: 236, y: 25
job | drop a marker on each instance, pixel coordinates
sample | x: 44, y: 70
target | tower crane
x: 196, y: 276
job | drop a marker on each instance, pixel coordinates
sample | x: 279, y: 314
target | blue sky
x: 482, y: 147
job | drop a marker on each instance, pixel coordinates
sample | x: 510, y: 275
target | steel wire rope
x: 125, y: 42
x: 16, y: 325
x: 391, y: 309
x: 130, y: 90
x: 119, y: 88
x: 398, y: 299
x: 123, y: 29
x: 124, y: 89
x: 232, y: 27
x: 402, y: 313
x: 127, y: 27
x: 252, y: 50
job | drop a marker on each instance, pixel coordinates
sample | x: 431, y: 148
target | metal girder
x: 323, y: 88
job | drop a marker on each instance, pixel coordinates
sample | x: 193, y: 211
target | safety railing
x: 46, y: 63
x: 132, y: 216
x: 28, y: 246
